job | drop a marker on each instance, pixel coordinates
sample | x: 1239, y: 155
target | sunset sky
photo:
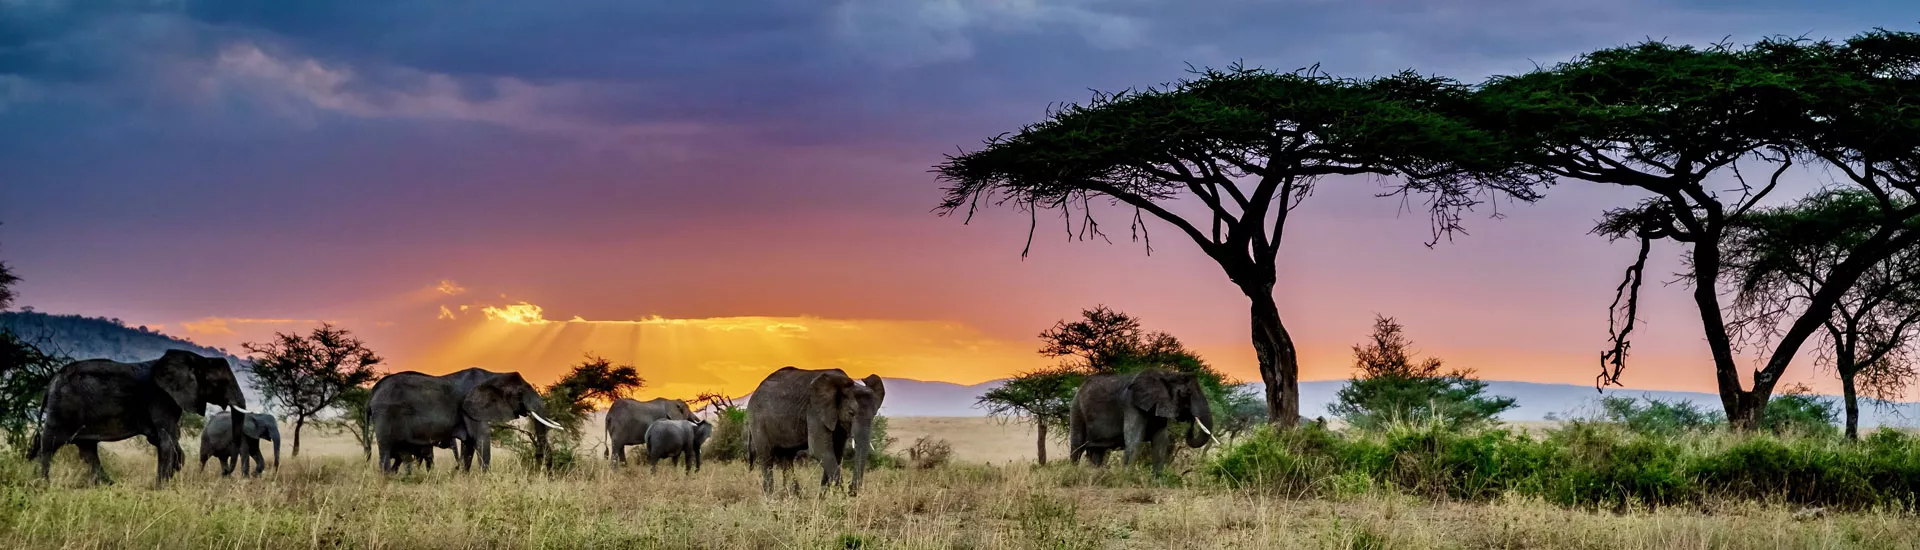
x: 712, y: 190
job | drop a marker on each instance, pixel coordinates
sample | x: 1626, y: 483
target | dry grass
x: 337, y: 501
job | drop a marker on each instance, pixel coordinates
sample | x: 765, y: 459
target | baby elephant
x: 676, y: 439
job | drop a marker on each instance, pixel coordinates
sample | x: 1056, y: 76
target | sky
x: 712, y: 190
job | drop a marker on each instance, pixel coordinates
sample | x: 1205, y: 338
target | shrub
x: 1799, y: 411
x: 729, y: 440
x: 927, y: 453
x: 878, y: 457
x: 1391, y: 387
x: 1647, y: 415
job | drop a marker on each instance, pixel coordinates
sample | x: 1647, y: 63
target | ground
x: 993, y: 498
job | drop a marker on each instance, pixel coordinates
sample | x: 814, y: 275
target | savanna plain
x: 991, y: 495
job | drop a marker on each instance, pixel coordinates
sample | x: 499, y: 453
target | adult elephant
x: 628, y: 421
x: 410, y: 412
x: 1133, y: 411
x: 217, y: 441
x: 816, y: 412
x: 98, y: 400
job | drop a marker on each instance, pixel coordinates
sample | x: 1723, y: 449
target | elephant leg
x: 226, y: 465
x: 618, y: 455
x: 653, y: 464
x: 1135, y: 432
x: 203, y: 459
x: 90, y: 452
x: 766, y: 477
x: 821, y: 445
x: 169, y: 451
x: 1097, y: 457
x: 1161, y: 449
x: 51, y: 439
x: 259, y: 460
x: 1076, y: 439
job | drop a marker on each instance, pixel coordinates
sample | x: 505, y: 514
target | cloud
x: 299, y: 87
x: 445, y: 313
x: 904, y: 33
x: 450, y: 288
x: 224, y: 326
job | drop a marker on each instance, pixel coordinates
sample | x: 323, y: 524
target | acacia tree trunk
x: 1042, y: 444
x: 1853, y: 404
x: 1279, y: 364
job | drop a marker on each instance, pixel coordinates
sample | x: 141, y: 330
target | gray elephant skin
x: 677, y: 439
x: 1133, y: 411
x: 97, y: 400
x: 411, y: 412
x: 217, y: 441
x: 628, y: 421
x: 817, y: 412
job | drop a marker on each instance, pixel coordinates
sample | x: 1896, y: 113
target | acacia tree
x: 1244, y: 147
x: 1391, y: 386
x: 307, y: 374
x: 1781, y: 256
x: 1664, y: 118
x: 1042, y: 397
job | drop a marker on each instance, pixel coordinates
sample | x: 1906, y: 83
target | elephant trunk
x: 1200, y: 431
x: 276, y: 448
x: 862, y: 448
x: 541, y: 453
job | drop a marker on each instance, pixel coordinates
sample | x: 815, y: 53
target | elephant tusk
x: 543, y: 420
x: 1203, y: 428
x: 241, y: 410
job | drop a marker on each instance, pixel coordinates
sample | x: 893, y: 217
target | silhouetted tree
x: 352, y: 420
x: 1780, y: 256
x: 1390, y: 386
x: 25, y: 371
x: 305, y: 375
x: 1665, y: 118
x: 594, y: 380
x: 1247, y: 145
x: 1042, y: 397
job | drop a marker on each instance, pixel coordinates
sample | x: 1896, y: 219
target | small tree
x: 729, y: 440
x: 1041, y: 397
x: 594, y: 380
x: 1241, y: 411
x: 1799, y: 410
x: 1390, y: 386
x: 305, y: 375
x: 25, y: 371
x: 352, y: 418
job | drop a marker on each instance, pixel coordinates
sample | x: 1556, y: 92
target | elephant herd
x: 794, y: 414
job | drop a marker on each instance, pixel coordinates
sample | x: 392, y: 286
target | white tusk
x: 242, y: 410
x: 1203, y: 428
x: 543, y: 420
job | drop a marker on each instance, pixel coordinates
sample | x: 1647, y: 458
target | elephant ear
x: 174, y: 375
x: 679, y: 411
x: 259, y: 426
x: 1150, y: 394
x: 879, y: 389
x: 827, y: 392
x: 493, y: 400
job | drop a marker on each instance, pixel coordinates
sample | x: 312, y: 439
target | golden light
x: 683, y: 357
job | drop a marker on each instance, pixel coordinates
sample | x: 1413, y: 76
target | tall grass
x: 1395, y: 490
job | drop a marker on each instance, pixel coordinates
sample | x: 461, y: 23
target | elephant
x: 411, y: 412
x: 1133, y: 410
x: 628, y: 420
x: 217, y: 441
x: 677, y: 439
x: 816, y: 411
x: 98, y: 400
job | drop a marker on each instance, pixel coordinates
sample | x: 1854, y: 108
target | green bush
x: 1583, y: 464
x: 1647, y: 415
x: 729, y: 440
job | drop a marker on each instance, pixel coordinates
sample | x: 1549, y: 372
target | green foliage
x: 1582, y: 464
x: 25, y: 373
x: 1104, y: 341
x: 1391, y: 387
x: 305, y: 375
x: 1799, y: 411
x: 729, y: 440
x: 352, y: 418
x: 595, y: 379
x: 1040, y: 396
x: 1652, y: 416
x: 1242, y: 409
x: 878, y: 456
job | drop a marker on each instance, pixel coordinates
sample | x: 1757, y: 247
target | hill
x: 78, y: 337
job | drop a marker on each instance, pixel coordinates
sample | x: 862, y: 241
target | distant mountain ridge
x: 909, y: 397
x: 79, y: 337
